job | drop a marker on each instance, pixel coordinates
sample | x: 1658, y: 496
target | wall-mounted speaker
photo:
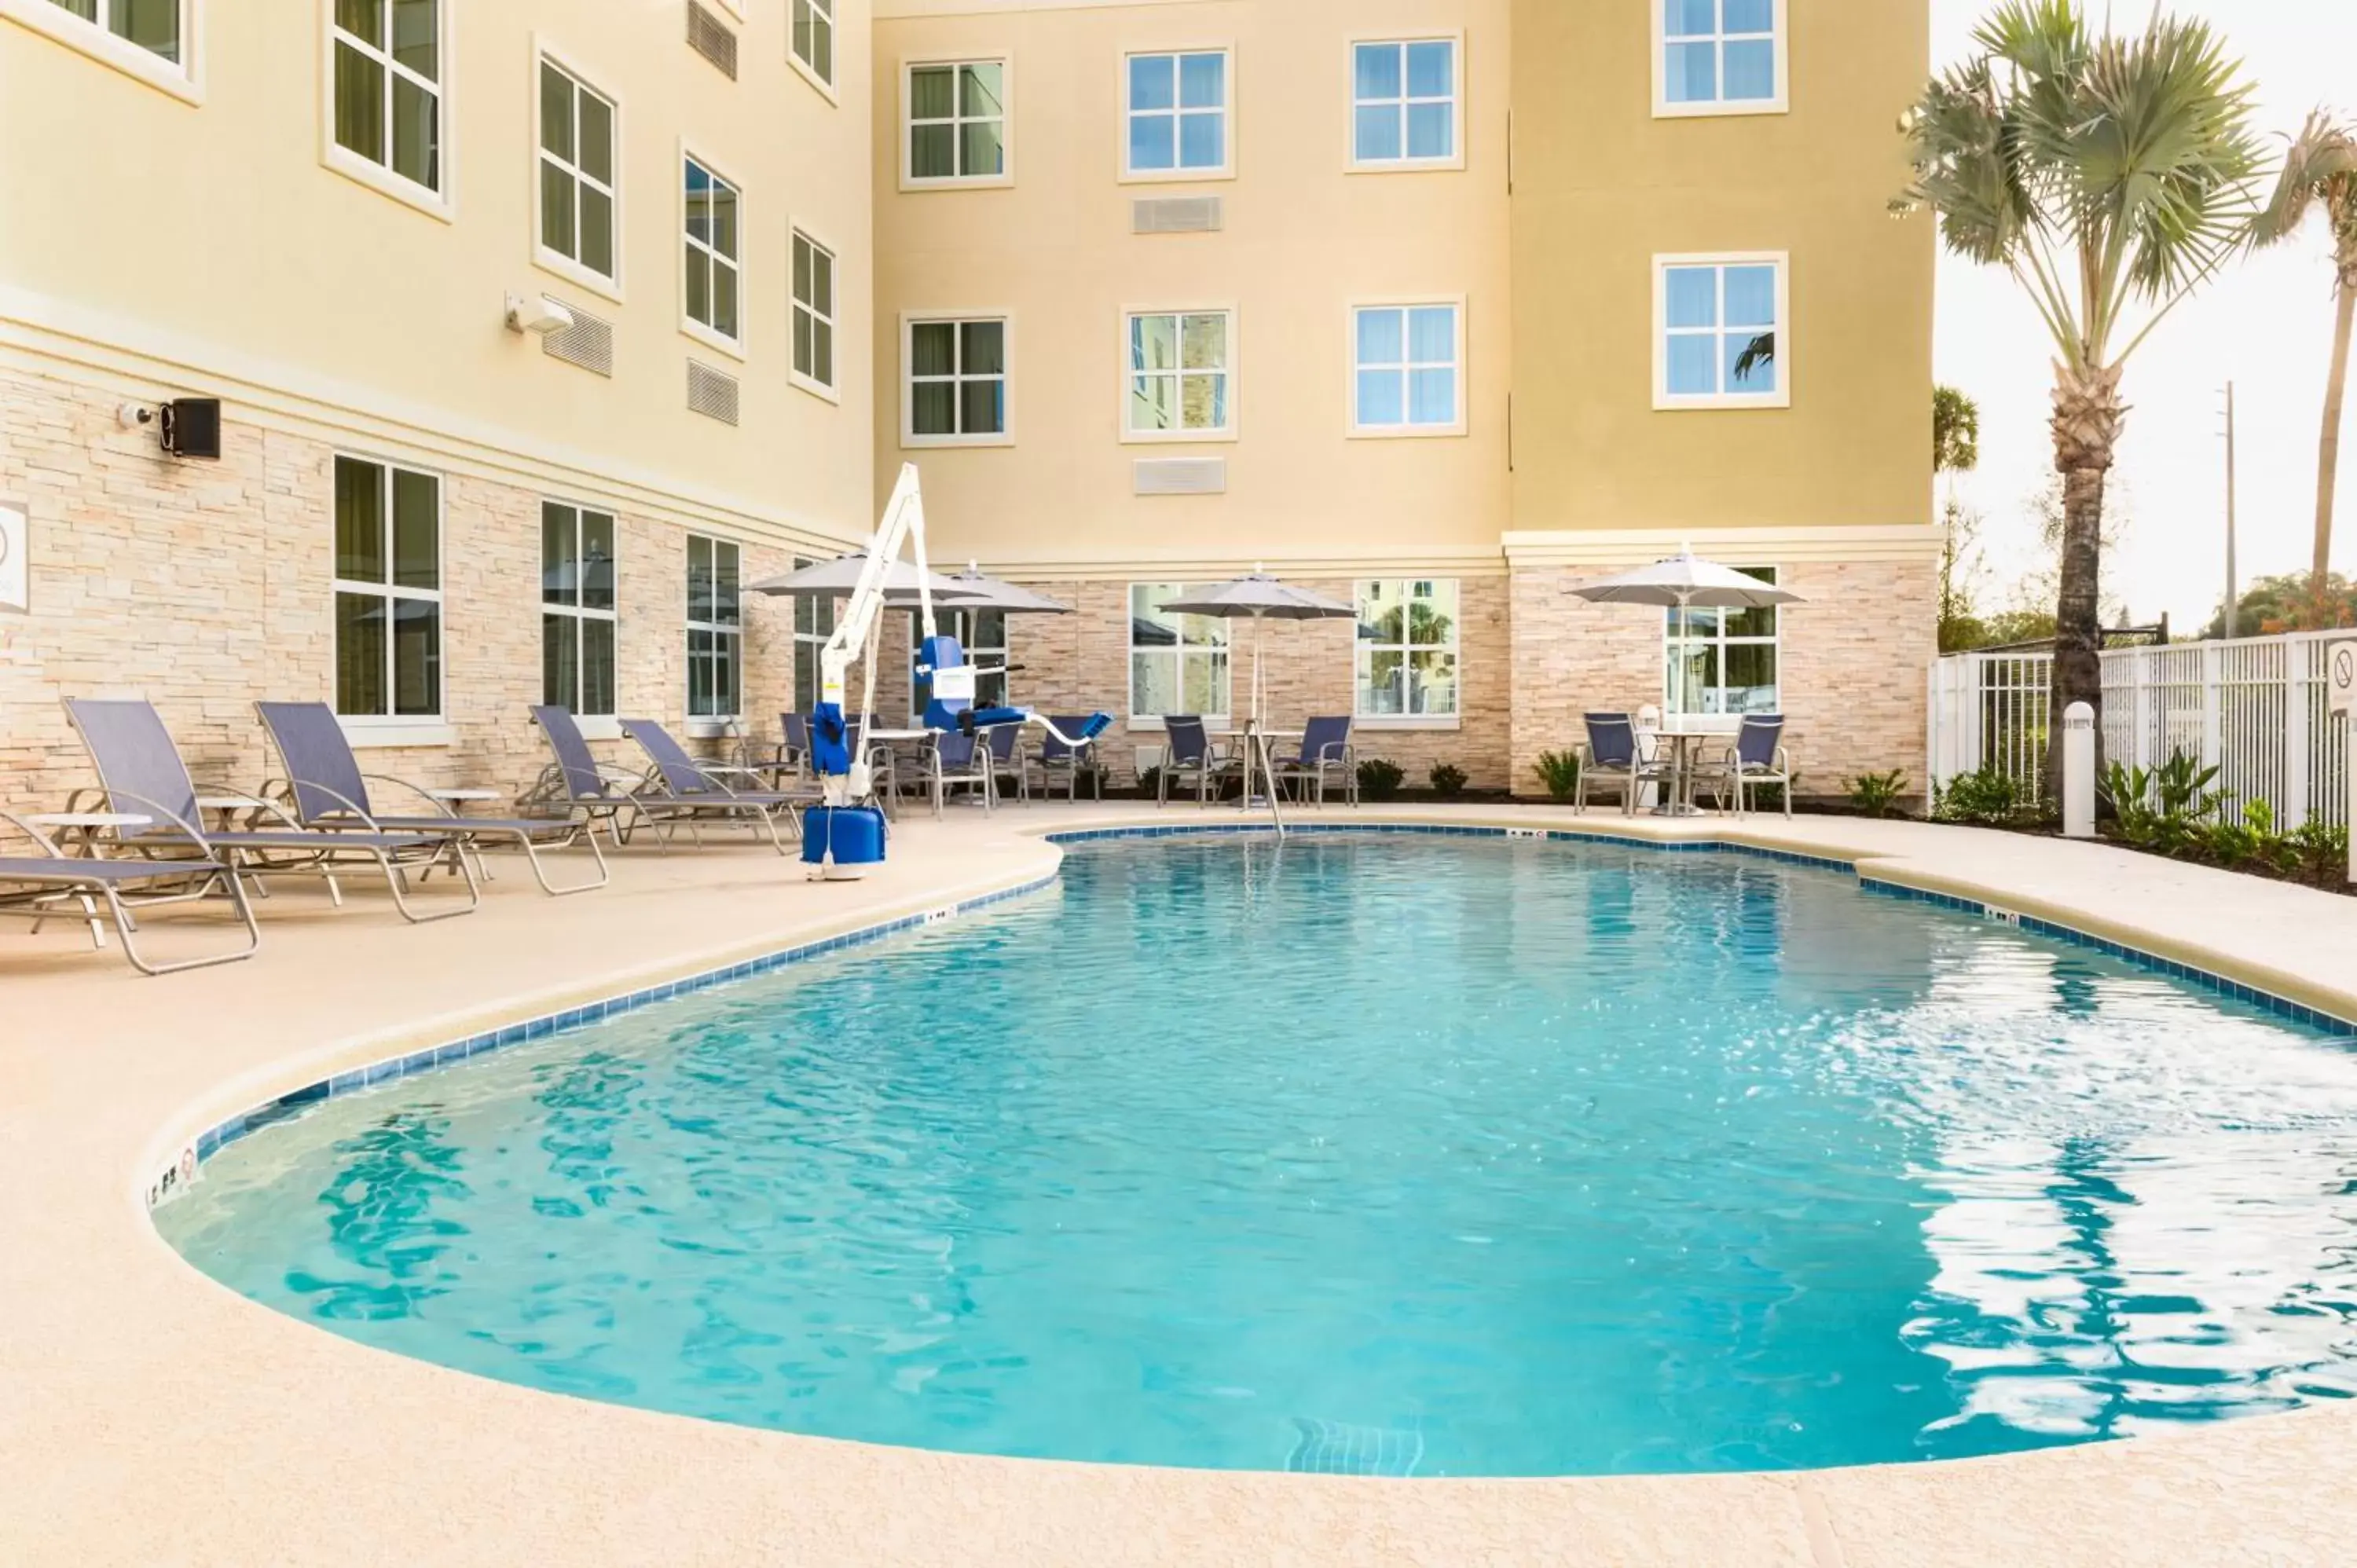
x: 192, y: 427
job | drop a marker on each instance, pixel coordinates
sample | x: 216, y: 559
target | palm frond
x: 2320, y: 169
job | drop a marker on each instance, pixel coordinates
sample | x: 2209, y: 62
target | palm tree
x: 2110, y: 176
x: 2321, y: 171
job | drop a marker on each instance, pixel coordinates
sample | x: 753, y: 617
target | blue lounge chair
x: 1757, y: 758
x: 1190, y: 755
x: 1614, y: 757
x: 1055, y: 759
x: 36, y: 886
x: 956, y: 760
x: 677, y: 789
x: 1325, y: 750
x: 1007, y: 761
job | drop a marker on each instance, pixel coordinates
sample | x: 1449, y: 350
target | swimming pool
x: 1396, y: 1156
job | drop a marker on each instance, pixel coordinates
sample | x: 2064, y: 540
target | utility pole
x: 2233, y: 620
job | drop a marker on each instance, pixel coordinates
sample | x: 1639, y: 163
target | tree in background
x: 2111, y: 175
x: 2320, y: 172
x: 1956, y: 449
x: 2290, y: 603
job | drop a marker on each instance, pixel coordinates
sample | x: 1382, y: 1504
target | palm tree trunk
x: 2088, y: 419
x: 2328, y: 449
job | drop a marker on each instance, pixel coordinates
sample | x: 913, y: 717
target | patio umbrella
x: 835, y: 579
x: 1261, y: 598
x: 997, y: 593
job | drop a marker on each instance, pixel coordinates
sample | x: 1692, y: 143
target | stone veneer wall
x: 203, y: 586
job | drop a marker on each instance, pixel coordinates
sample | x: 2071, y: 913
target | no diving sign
x: 2340, y: 676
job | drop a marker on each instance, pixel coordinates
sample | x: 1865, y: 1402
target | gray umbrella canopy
x: 982, y: 593
x: 1256, y: 596
x: 1685, y: 581
x: 836, y: 578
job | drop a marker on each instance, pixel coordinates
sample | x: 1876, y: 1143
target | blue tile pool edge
x: 177, y: 1176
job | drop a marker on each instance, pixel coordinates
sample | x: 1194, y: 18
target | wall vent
x: 710, y: 392
x: 588, y: 343
x: 1182, y: 475
x: 710, y: 37
x: 1175, y: 215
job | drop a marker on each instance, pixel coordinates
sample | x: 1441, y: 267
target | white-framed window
x: 1177, y: 663
x: 957, y: 127
x: 813, y: 316
x: 711, y: 301
x: 1719, y: 57
x: 1408, y: 649
x: 388, y: 589
x: 1178, y: 370
x: 1721, y: 662
x: 955, y: 390
x: 161, y: 42
x: 1403, y: 103
x: 1176, y: 114
x: 814, y: 624
x: 1721, y: 332
x: 577, y: 608
x: 1407, y: 363
x: 576, y: 193
x: 983, y: 635
x: 388, y: 72
x: 812, y: 41
x: 715, y: 631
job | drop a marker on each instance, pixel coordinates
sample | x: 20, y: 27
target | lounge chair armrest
x: 346, y: 802
x: 48, y: 847
x: 162, y: 813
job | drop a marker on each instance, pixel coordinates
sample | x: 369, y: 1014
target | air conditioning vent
x: 710, y: 37
x: 710, y: 392
x: 1181, y: 475
x: 588, y: 343
x: 1175, y: 215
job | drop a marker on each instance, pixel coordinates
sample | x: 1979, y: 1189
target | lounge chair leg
x: 123, y: 923
x: 540, y: 872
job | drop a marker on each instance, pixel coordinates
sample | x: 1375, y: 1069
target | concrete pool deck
x: 149, y: 1415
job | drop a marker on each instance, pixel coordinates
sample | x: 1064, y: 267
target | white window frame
x: 1229, y: 431
x: 1722, y: 641
x: 704, y: 725
x: 442, y: 203
x: 912, y: 319
x: 1227, y: 168
x: 910, y: 178
x: 598, y: 727
x: 1351, y: 162
x: 1780, y: 104
x: 183, y: 78
x: 711, y: 337
x: 557, y: 262
x: 1454, y: 647
x: 391, y: 729
x: 1152, y: 723
x: 797, y: 235
x: 1405, y: 431
x: 1664, y: 400
x: 805, y: 69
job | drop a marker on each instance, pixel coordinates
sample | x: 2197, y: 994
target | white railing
x: 2253, y: 708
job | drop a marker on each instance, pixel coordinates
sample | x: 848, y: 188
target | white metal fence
x: 2253, y: 708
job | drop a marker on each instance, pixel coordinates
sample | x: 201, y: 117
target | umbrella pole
x: 1256, y: 742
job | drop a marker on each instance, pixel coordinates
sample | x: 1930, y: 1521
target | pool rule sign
x: 2340, y: 688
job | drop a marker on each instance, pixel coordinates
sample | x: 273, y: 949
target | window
x: 1406, y: 360
x: 576, y: 175
x: 814, y: 624
x: 1180, y: 364
x: 154, y: 26
x: 716, y: 633
x: 1723, y: 661
x: 814, y: 39
x: 957, y: 123
x: 388, y: 591
x: 1404, y: 105
x: 387, y: 84
x: 983, y: 635
x: 577, y: 608
x: 1718, y: 57
x: 1718, y: 322
x: 813, y: 314
x: 1178, y: 664
x: 957, y: 383
x: 1408, y: 649
x: 1177, y: 113
x: 710, y: 278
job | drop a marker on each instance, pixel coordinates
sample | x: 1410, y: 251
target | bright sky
x: 2266, y: 324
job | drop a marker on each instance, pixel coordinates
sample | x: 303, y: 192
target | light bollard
x: 2079, y: 772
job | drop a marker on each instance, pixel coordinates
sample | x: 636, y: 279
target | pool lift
x: 843, y: 837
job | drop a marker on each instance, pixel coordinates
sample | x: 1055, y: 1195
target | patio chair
x: 678, y: 790
x: 1757, y: 757
x: 37, y: 886
x: 1055, y: 759
x: 140, y: 772
x: 958, y: 761
x: 1325, y: 749
x: 791, y: 753
x: 1613, y: 757
x: 1189, y: 754
x: 329, y: 791
x: 1007, y: 760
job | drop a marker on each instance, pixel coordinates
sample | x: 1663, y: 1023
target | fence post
x: 2292, y: 809
x: 2213, y: 687
x: 2079, y: 772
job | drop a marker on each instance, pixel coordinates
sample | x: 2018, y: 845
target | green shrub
x: 1877, y: 794
x: 2166, y: 808
x: 1559, y: 771
x: 1447, y: 782
x: 1149, y: 781
x: 2318, y: 852
x: 1380, y: 780
x: 1988, y: 798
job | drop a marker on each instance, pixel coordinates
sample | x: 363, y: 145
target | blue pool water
x: 1385, y: 1155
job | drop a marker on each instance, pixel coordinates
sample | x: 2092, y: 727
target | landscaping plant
x: 1559, y: 771
x: 1986, y: 799
x: 2166, y: 808
x: 1380, y: 780
x: 1877, y: 794
x: 1447, y: 780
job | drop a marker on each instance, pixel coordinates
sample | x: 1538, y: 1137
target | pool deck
x: 149, y: 1415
